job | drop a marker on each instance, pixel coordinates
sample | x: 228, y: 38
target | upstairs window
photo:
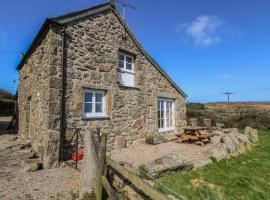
x: 125, y: 62
x: 165, y: 115
x: 93, y: 103
x: 125, y: 69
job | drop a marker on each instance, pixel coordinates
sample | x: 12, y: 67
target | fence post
x: 102, y: 160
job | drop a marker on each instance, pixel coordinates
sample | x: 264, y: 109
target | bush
x: 7, y: 107
x: 4, y: 94
x: 195, y: 106
x: 240, y: 116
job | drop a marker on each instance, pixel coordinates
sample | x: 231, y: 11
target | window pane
x: 162, y: 105
x: 121, y: 57
x: 129, y: 59
x: 98, y: 107
x: 88, y: 107
x: 171, y: 116
x: 121, y: 64
x: 167, y: 116
x: 167, y: 105
x: 161, y: 123
x: 88, y: 96
x: 128, y: 66
x: 99, y: 97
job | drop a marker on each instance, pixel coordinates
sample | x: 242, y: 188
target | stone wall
x: 35, y: 93
x: 92, y: 46
x: 92, y: 58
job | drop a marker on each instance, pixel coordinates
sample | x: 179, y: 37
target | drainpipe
x: 62, y: 108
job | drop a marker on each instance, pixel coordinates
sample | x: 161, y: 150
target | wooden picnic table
x: 195, y: 134
x: 196, y: 131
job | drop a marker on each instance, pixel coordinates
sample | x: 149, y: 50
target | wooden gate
x: 103, y: 183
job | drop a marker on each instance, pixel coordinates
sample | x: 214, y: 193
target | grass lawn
x: 244, y: 177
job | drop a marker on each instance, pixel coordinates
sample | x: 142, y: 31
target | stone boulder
x: 166, y: 163
x: 231, y: 142
x: 120, y: 142
x: 252, y: 134
x: 219, y: 151
x: 170, y: 137
x: 230, y: 130
x: 31, y: 165
x: 243, y: 139
x: 154, y: 139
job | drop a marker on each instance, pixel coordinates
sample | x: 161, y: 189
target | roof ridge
x: 81, y: 11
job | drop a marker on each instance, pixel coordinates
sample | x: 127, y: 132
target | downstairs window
x: 93, y: 103
x: 165, y: 115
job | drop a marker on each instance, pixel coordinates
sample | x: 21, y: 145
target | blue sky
x: 208, y: 47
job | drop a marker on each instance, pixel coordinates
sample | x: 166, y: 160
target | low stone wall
x: 227, y: 143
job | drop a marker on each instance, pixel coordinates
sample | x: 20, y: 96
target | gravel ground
x: 141, y: 152
x: 53, y: 184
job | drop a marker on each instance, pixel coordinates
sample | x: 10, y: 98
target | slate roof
x: 70, y: 17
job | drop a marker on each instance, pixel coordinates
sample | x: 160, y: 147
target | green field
x: 246, y: 177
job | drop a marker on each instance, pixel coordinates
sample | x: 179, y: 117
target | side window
x: 165, y: 115
x: 93, y: 103
x: 125, y: 69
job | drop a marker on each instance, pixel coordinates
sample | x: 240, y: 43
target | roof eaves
x: 37, y: 38
x: 60, y: 20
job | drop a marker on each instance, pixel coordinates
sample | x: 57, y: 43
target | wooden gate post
x: 102, y: 160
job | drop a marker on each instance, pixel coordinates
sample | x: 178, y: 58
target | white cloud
x: 204, y: 30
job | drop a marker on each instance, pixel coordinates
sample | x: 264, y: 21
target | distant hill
x: 262, y: 104
x: 6, y: 95
x: 239, y: 114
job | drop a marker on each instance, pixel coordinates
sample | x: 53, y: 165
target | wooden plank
x: 137, y: 181
x: 194, y: 128
x: 109, y: 190
x: 102, y: 159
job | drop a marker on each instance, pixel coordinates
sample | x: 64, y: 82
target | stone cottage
x: 87, y: 70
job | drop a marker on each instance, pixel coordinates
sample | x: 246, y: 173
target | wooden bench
x: 195, y: 135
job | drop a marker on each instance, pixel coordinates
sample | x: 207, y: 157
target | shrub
x: 7, y: 107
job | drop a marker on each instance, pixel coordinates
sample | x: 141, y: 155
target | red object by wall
x: 80, y: 155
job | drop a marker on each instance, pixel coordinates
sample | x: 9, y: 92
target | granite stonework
x: 36, y: 104
x: 91, y: 57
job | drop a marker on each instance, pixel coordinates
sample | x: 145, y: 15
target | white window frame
x: 93, y: 114
x: 166, y: 127
x: 124, y: 69
x: 126, y: 76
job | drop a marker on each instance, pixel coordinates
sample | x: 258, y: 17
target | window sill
x: 96, y: 118
x: 128, y: 87
x: 121, y: 70
x: 166, y: 130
